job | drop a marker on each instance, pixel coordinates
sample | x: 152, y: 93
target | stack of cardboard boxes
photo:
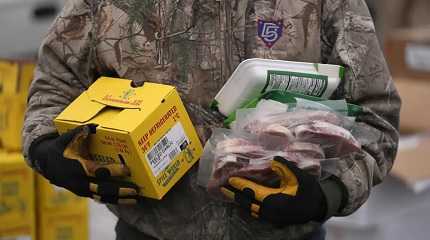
x: 15, y: 78
x: 17, y: 181
x: 402, y: 200
x: 17, y: 198
x: 407, y: 52
x: 30, y: 207
x: 60, y: 214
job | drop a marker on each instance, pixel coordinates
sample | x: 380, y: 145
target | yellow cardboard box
x: 15, y: 76
x: 17, y: 198
x: 63, y: 226
x: 61, y: 215
x: 147, y: 128
x: 8, y: 77
x: 51, y: 198
x: 12, y: 109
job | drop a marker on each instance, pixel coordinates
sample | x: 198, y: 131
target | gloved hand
x: 64, y: 160
x: 298, y: 200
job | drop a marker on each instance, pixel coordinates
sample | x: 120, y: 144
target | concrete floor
x: 394, y: 212
x: 102, y: 222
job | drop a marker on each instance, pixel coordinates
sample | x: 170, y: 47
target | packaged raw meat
x: 305, y: 133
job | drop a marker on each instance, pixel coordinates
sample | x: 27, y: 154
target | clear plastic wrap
x: 312, y: 135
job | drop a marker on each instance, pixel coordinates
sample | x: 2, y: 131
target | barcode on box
x: 303, y: 83
x: 166, y: 149
x: 154, y: 156
x: 173, y: 153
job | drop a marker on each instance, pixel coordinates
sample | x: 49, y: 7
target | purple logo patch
x: 270, y: 31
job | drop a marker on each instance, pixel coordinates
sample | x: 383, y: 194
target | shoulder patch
x: 270, y: 31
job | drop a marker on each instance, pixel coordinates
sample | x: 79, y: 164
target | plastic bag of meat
x: 228, y: 154
x: 306, y: 134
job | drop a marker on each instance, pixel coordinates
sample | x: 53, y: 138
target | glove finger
x: 102, y: 172
x: 255, y: 210
x: 67, y: 137
x: 77, y: 148
x: 260, y: 192
x: 114, y: 188
x: 115, y: 200
x: 228, y: 193
x: 79, y: 185
x: 245, y: 199
x: 288, y: 173
x: 106, y: 189
x: 106, y: 171
x: 109, y: 170
x: 70, y: 175
x: 127, y: 201
x: 291, y: 165
x: 77, y: 136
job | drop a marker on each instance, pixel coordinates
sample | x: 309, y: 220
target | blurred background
x: 399, y: 208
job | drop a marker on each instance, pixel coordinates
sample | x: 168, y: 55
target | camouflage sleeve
x: 349, y: 39
x: 63, y: 59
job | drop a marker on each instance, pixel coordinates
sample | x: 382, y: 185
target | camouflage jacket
x: 195, y: 45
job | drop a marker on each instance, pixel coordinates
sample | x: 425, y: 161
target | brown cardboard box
x: 415, y: 113
x: 407, y: 52
x: 412, y: 164
x: 396, y: 14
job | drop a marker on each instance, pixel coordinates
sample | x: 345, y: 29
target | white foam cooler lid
x: 250, y: 78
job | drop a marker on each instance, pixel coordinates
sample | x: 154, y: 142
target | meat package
x: 304, y: 136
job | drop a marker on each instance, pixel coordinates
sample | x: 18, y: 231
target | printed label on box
x: 304, y: 83
x: 167, y: 148
x: 11, y: 200
x: 65, y: 232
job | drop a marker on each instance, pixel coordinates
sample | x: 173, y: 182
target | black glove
x: 298, y: 200
x: 64, y: 160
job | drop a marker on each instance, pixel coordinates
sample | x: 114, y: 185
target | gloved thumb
x: 78, y: 149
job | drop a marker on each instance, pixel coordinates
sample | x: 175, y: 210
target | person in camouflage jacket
x: 195, y: 45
